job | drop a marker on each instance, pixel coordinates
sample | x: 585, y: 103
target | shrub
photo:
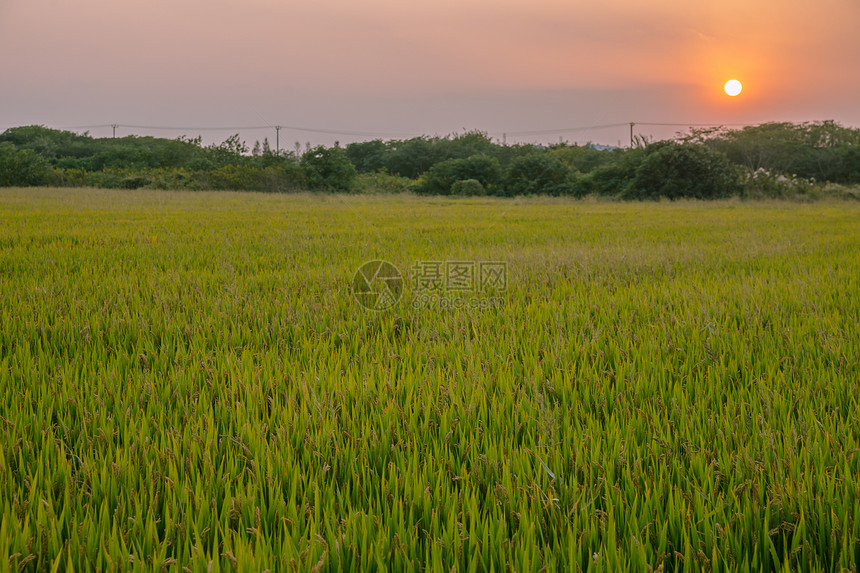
x: 441, y: 177
x: 229, y: 177
x: 538, y: 173
x: 23, y: 167
x: 585, y: 158
x: 850, y: 157
x: 115, y: 178
x: 676, y: 170
x: 367, y: 156
x: 612, y: 178
x: 247, y: 178
x: 412, y: 157
x: 328, y: 169
x: 381, y: 182
x: 763, y: 183
x: 72, y: 177
x: 466, y: 187
x: 173, y: 178
x: 819, y: 150
x: 135, y: 181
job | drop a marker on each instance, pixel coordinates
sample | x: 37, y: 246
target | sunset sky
x: 408, y: 67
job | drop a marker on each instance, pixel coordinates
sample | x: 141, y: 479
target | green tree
x: 23, y: 167
x: 610, y: 179
x: 368, y: 156
x: 466, y: 187
x: 676, y: 170
x: 412, y: 157
x: 538, y: 173
x: 470, y: 143
x: 229, y: 152
x: 850, y: 158
x: 810, y: 150
x: 584, y: 158
x: 441, y: 176
x: 328, y: 169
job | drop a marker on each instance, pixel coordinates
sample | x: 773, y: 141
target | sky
x: 348, y: 70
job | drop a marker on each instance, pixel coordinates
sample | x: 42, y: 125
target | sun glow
x: 733, y: 87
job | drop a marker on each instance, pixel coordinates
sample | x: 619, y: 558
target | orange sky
x: 422, y: 66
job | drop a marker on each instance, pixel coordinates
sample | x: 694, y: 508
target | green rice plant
x: 189, y: 384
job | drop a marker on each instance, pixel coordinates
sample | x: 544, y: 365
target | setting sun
x: 733, y: 87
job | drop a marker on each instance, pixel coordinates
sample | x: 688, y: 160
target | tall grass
x: 188, y: 384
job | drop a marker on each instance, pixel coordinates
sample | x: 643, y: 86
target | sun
x: 733, y: 87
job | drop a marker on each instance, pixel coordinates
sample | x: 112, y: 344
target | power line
x: 342, y: 132
x: 614, y: 125
x: 697, y: 124
x: 564, y: 130
x: 85, y: 126
x: 177, y: 128
x: 359, y: 133
x: 242, y: 128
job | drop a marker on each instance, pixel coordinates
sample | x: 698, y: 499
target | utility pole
x: 114, y: 126
x: 631, y: 134
x: 277, y: 140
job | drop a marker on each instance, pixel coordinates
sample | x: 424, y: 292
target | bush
x: 761, y: 183
x: 466, y: 187
x: 585, y: 158
x: 23, y: 167
x: 819, y: 150
x: 612, y: 178
x: 134, y: 181
x: 116, y: 179
x: 850, y: 158
x: 72, y: 177
x: 439, y: 179
x: 169, y: 178
x: 469, y: 144
x: 367, y: 156
x: 248, y: 178
x: 412, y: 157
x: 229, y: 152
x: 538, y: 173
x: 381, y: 182
x: 328, y: 169
x: 676, y: 171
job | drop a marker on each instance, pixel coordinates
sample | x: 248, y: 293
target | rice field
x: 190, y: 383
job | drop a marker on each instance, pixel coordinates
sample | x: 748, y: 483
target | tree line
x: 774, y: 159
